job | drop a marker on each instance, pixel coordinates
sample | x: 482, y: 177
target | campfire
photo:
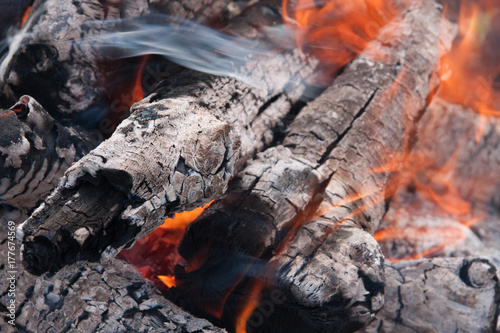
x: 250, y: 166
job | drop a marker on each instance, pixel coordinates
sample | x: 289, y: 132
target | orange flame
x: 466, y: 73
x: 155, y: 255
x: 249, y: 307
x: 444, y: 236
x: 168, y: 280
x: 138, y: 92
x: 337, y: 30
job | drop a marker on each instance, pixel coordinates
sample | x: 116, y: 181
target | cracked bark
x: 306, y: 208
x: 91, y: 297
x: 419, y: 297
x: 177, y: 151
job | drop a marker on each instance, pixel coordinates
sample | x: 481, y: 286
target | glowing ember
x: 155, y: 255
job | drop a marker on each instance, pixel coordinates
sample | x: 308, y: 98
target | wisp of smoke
x: 182, y: 41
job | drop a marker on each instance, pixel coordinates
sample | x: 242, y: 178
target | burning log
x: 330, y: 270
x: 44, y: 62
x: 36, y: 151
x: 86, y: 297
x: 439, y: 295
x: 177, y: 151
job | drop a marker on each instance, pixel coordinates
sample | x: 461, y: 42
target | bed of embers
x: 250, y: 166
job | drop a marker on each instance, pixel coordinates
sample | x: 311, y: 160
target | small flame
x: 138, y: 92
x: 335, y: 31
x: 467, y: 73
x: 434, y: 239
x: 249, y: 307
x: 25, y: 16
x: 168, y: 280
x: 155, y: 255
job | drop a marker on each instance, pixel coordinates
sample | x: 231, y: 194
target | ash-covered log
x: 439, y: 295
x: 177, y: 151
x: 87, y: 297
x: 35, y: 150
x: 330, y: 269
x: 43, y: 61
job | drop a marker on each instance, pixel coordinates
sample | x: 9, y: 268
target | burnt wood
x: 439, y: 295
x: 178, y: 150
x: 90, y: 297
x: 296, y: 205
x: 448, y: 139
x: 43, y: 61
x: 36, y: 150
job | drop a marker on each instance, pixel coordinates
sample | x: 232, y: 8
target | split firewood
x: 439, y: 295
x: 177, y: 151
x: 330, y: 269
x: 86, y: 297
x: 35, y: 150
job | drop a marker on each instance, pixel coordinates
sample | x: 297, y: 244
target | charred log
x: 205, y: 12
x: 86, y: 297
x: 322, y: 169
x: 439, y: 295
x: 461, y: 196
x: 177, y: 151
x: 36, y: 150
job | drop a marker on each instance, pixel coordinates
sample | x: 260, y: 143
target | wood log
x: 61, y: 41
x: 177, y: 151
x: 439, y: 295
x: 43, y: 61
x: 331, y: 282
x: 35, y: 150
x: 87, y: 297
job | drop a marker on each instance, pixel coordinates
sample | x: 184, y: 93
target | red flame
x: 138, y: 92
